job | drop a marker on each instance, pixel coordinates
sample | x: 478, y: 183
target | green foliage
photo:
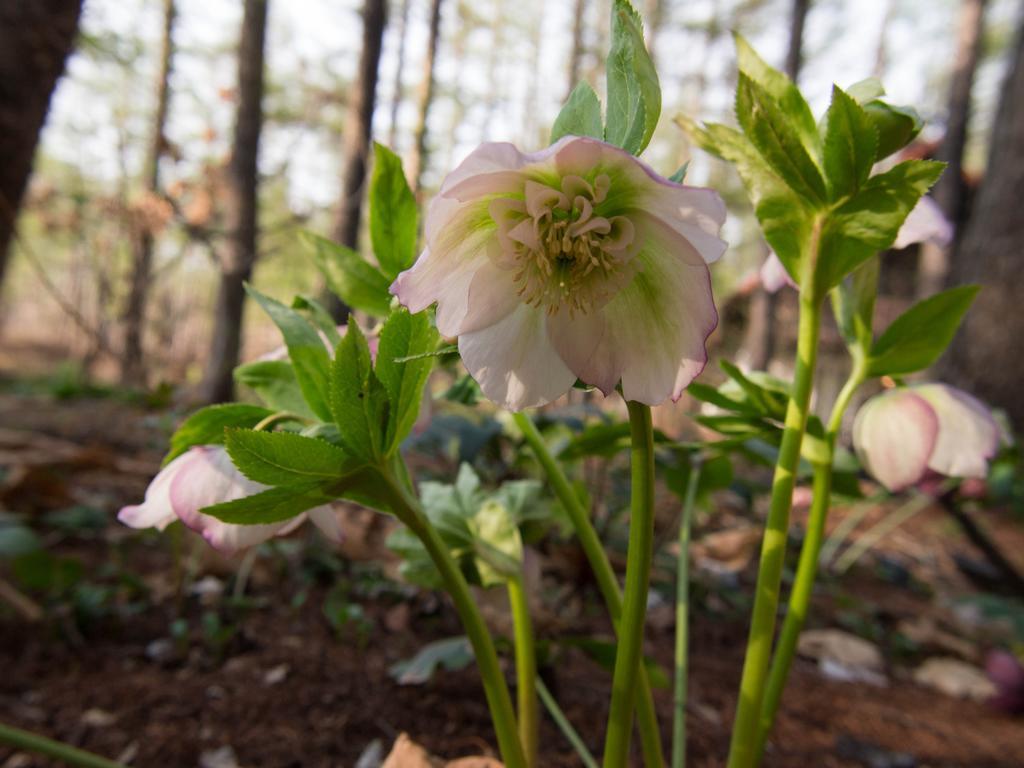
x: 206, y: 426
x: 359, y: 284
x: 358, y: 399
x: 452, y: 653
x: 285, y: 458
x: 634, y: 93
x: 306, y: 349
x: 319, y: 317
x: 393, y: 215
x: 580, y: 115
x: 480, y: 527
x: 403, y: 366
x: 853, y: 303
x: 917, y: 337
x: 896, y: 126
x: 270, y: 506
x: 850, y: 141
x: 275, y: 383
x: 16, y: 538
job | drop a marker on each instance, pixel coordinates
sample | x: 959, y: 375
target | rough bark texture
x: 759, y: 340
x: 933, y: 262
x: 358, y: 131
x: 133, y: 319
x: 418, y: 160
x: 985, y: 356
x: 240, y: 208
x: 36, y: 37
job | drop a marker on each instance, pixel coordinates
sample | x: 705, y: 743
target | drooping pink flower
x: 201, y: 477
x: 902, y: 434
x: 576, y: 262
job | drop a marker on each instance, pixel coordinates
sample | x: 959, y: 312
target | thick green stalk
x: 526, y: 671
x: 743, y: 747
x: 408, y: 510
x: 629, y: 653
x: 647, y: 718
x: 32, y: 742
x: 683, y: 620
x: 807, y: 570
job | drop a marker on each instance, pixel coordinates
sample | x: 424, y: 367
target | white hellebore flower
x: 576, y: 262
x: 201, y: 477
x: 903, y: 434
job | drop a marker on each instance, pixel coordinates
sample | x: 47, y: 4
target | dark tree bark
x: 759, y: 340
x: 418, y: 160
x: 240, y: 203
x: 358, y: 130
x: 396, y: 97
x: 985, y: 356
x: 576, y: 55
x: 933, y: 261
x: 133, y: 320
x: 36, y: 37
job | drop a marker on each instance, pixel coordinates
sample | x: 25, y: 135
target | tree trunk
x: 36, y: 37
x: 984, y: 357
x: 576, y: 55
x: 358, y: 129
x: 240, y: 208
x: 933, y: 262
x: 396, y: 96
x: 418, y: 160
x: 132, y: 369
x: 759, y: 340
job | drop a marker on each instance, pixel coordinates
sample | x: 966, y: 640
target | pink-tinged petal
x: 926, y: 223
x: 493, y: 168
x: 228, y: 538
x: 514, y: 362
x: 773, y: 275
x: 968, y: 435
x: 326, y: 519
x: 895, y: 434
x: 696, y: 214
x: 156, y: 510
x: 654, y: 330
x: 207, y: 478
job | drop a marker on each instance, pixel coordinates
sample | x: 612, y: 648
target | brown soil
x: 99, y: 688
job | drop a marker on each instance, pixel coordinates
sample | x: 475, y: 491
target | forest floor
x: 295, y: 672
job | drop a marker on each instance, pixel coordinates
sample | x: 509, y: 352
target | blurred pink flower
x: 574, y: 262
x: 204, y: 476
x: 924, y: 224
x: 902, y: 434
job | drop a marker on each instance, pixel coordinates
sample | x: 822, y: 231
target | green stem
x: 279, y: 416
x: 742, y: 749
x: 683, y: 620
x: 41, y: 745
x: 407, y: 508
x: 526, y: 671
x: 807, y: 569
x: 565, y: 726
x: 647, y: 719
x: 629, y: 653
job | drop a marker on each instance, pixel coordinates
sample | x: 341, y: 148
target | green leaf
x: 781, y: 90
x: 393, y: 215
x: 270, y: 506
x: 707, y: 394
x: 917, y: 337
x: 275, y: 383
x: 634, y: 94
x: 772, y: 132
x: 680, y: 175
x: 869, y: 222
x: 206, y: 426
x: 496, y: 543
x: 853, y: 303
x: 850, y: 141
x: 453, y: 653
x: 320, y: 318
x: 580, y: 115
x: 358, y: 401
x: 359, y: 284
x: 868, y: 89
x: 896, y: 126
x: 765, y: 401
x: 285, y: 458
x: 306, y: 349
x: 403, y: 367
